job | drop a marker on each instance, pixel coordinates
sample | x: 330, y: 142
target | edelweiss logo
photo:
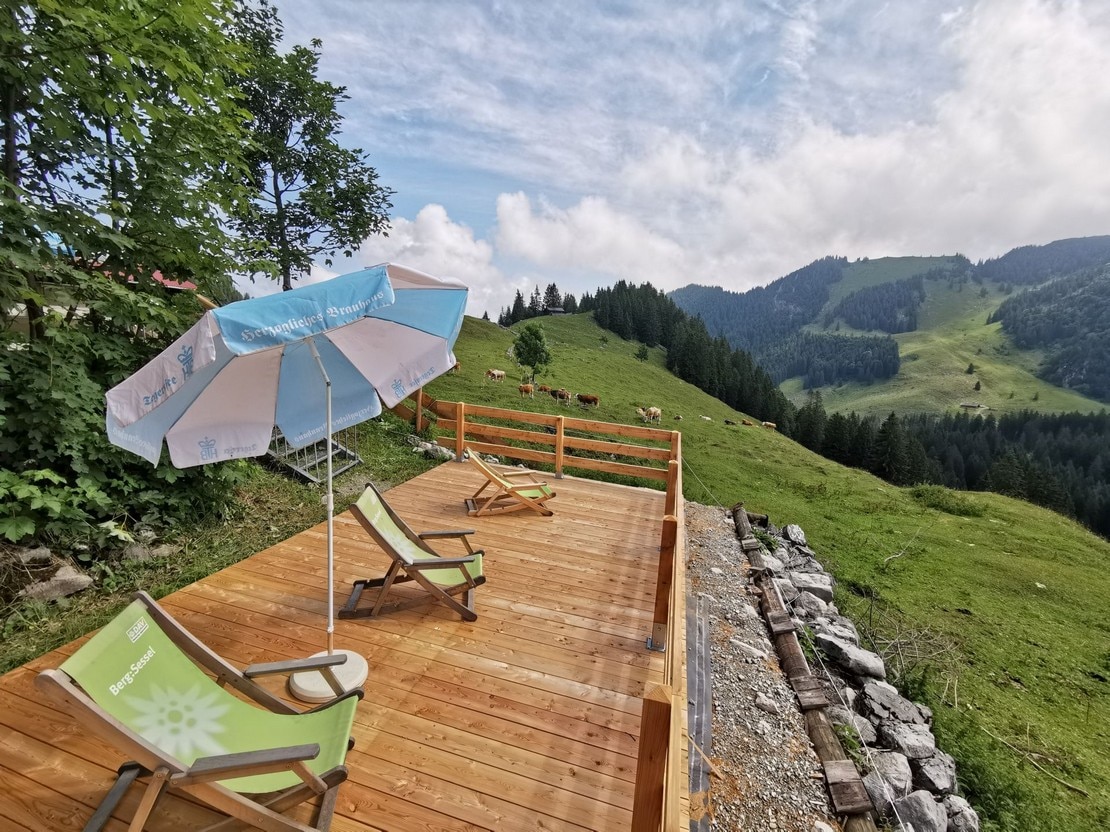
x: 136, y: 630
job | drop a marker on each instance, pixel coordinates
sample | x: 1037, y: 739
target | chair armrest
x: 531, y: 474
x: 357, y: 693
x: 441, y: 563
x: 246, y: 763
x: 293, y: 665
x: 463, y: 535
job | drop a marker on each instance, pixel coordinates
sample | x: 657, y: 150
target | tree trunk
x: 283, y: 241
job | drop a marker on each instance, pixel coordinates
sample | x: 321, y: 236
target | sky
x: 722, y: 143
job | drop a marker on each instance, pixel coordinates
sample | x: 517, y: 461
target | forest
x: 1061, y: 462
x: 889, y: 307
x: 823, y: 360
x: 1033, y: 265
x: 1069, y: 319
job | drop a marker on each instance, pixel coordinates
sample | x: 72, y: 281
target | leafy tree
x: 978, y: 386
x: 531, y: 349
x: 312, y: 196
x: 119, y: 132
x: 642, y: 353
x: 970, y: 369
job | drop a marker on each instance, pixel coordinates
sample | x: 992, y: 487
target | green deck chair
x: 414, y: 560
x: 138, y: 683
x: 507, y: 495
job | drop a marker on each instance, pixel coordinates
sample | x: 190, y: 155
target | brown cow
x: 746, y: 422
x: 495, y: 375
x: 585, y: 399
x: 526, y: 390
x: 562, y: 395
x: 456, y: 368
x: 543, y: 388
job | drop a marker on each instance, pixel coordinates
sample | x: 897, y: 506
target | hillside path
x: 768, y: 776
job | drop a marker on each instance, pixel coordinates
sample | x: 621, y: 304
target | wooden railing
x: 662, y: 783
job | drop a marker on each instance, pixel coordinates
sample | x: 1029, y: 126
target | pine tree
x: 551, y: 297
x: 891, y: 460
x: 519, y: 313
x: 535, y: 304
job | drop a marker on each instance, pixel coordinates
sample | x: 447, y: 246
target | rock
x: 810, y: 604
x: 786, y: 589
x: 66, y: 581
x: 794, y: 534
x: 821, y: 826
x: 836, y: 629
x: 839, y: 715
x: 753, y: 652
x: 915, y: 741
x: 774, y: 564
x: 888, y: 781
x: 936, y: 774
x: 138, y: 552
x: 37, y: 556
x: 883, y: 701
x: 165, y: 550
x: 922, y: 810
x: 855, y: 660
x: 817, y: 583
x: 961, y: 817
x: 766, y: 704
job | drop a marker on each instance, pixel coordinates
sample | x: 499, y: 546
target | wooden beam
x: 651, y: 761
x: 664, y: 581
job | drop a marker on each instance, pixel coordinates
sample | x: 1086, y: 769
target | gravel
x: 767, y: 775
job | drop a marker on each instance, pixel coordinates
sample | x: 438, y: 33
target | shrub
x: 945, y: 499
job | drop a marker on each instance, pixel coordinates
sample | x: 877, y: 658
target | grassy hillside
x: 952, y: 333
x: 1018, y: 592
x: 864, y: 273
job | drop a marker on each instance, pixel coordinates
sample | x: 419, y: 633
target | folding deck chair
x: 139, y: 684
x: 414, y: 560
x: 507, y: 495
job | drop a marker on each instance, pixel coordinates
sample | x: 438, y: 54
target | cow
x: 456, y: 368
x: 707, y: 418
x: 526, y: 390
x: 543, y: 388
x: 585, y: 399
x: 650, y: 414
x: 746, y: 422
x: 770, y: 425
x: 561, y: 396
x: 729, y: 422
x: 495, y: 375
x: 678, y: 417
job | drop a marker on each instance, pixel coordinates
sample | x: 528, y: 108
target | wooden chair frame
x: 405, y: 568
x: 507, y: 496
x: 198, y: 780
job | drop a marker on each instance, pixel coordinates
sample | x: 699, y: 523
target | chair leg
x: 389, y: 578
x: 150, y: 799
x: 125, y: 777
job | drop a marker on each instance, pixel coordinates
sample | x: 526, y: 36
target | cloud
x: 434, y: 244
x: 727, y: 143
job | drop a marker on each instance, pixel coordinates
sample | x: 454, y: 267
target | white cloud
x: 434, y: 244
x: 728, y: 143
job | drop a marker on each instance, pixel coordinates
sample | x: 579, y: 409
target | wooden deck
x: 526, y: 719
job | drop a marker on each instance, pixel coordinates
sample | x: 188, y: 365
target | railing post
x: 671, y: 504
x: 651, y: 763
x: 419, y: 397
x: 559, y: 447
x: 663, y: 580
x: 460, y: 430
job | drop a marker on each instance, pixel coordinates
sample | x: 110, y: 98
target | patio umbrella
x: 310, y: 361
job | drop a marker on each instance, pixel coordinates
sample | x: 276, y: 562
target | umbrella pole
x: 330, y: 499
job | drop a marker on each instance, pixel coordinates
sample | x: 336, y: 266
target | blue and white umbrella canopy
x: 217, y: 392
x: 310, y: 361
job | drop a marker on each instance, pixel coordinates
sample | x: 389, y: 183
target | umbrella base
x: 311, y: 686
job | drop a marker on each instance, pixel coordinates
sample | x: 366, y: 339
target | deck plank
x: 527, y: 718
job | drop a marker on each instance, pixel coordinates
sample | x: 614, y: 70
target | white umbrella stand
x: 312, y: 685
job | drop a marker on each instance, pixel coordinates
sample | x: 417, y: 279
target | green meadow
x: 1008, y: 598
x: 952, y: 333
